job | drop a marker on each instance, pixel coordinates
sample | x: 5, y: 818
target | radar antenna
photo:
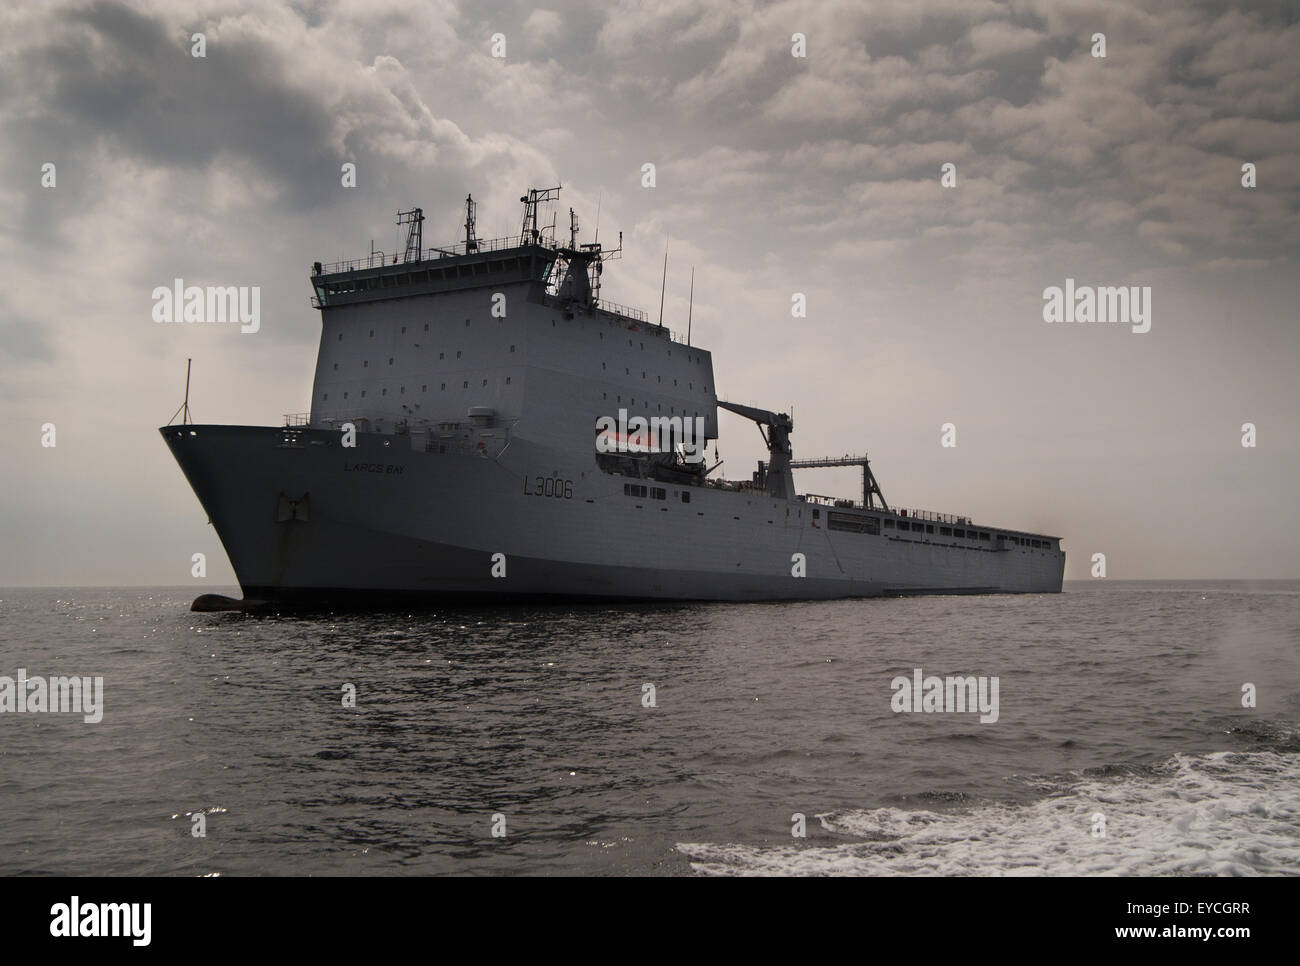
x: 529, y: 233
x: 414, y: 234
x: 597, y: 258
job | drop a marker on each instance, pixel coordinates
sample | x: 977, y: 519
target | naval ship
x: 478, y: 433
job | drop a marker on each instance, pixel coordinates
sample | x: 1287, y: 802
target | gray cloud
x: 775, y: 175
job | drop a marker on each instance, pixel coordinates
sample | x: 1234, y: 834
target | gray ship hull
x: 304, y: 518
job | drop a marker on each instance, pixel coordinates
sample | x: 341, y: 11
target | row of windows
x: 372, y: 331
x: 693, y: 359
x: 442, y: 387
x: 873, y: 525
x: 854, y: 524
x: 1028, y: 542
x: 862, y: 524
x: 370, y: 282
x: 626, y: 371
x: 401, y: 390
x: 963, y: 534
x: 655, y: 492
x: 365, y: 364
x: 645, y: 404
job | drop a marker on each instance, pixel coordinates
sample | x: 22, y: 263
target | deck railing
x: 380, y: 259
x: 928, y: 516
x: 626, y: 310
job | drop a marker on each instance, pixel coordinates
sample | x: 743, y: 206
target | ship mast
x: 690, y: 308
x: 471, y: 209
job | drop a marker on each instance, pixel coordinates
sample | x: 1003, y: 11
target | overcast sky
x: 775, y: 174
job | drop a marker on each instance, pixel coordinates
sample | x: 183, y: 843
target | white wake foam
x: 1219, y: 814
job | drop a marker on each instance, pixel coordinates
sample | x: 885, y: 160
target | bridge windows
x: 852, y: 523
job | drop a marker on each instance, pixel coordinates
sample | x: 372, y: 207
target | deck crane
x: 774, y: 477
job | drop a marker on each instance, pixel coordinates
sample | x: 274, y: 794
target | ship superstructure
x: 453, y: 451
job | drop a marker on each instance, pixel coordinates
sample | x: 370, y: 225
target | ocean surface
x: 1116, y: 699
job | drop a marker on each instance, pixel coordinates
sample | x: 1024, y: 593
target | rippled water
x: 1119, y: 699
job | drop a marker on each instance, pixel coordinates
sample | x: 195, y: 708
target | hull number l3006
x: 555, y: 486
